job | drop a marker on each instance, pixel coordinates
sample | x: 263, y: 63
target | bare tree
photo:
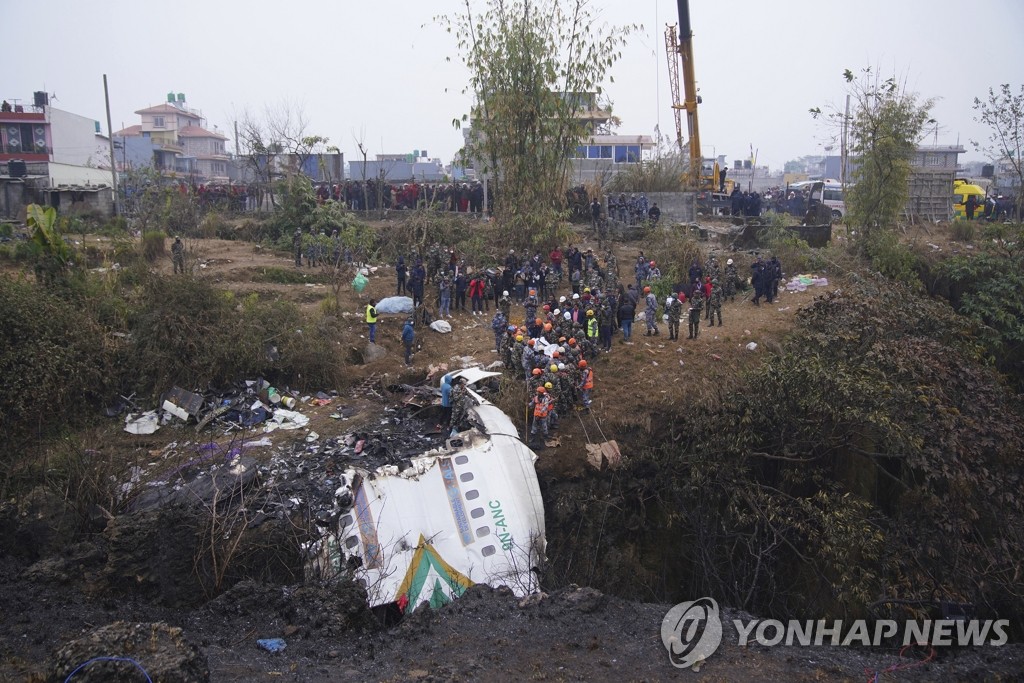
x: 1003, y: 112
x: 277, y: 142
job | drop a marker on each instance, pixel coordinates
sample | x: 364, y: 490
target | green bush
x: 153, y: 245
x: 52, y: 361
x: 892, y: 258
x: 186, y: 332
x: 116, y: 226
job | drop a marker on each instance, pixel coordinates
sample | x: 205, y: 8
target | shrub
x: 52, y: 361
x: 214, y: 225
x: 153, y: 245
x: 186, y: 332
x: 962, y: 231
x: 892, y: 258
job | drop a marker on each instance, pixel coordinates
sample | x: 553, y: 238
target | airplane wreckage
x: 413, y: 512
x: 422, y: 532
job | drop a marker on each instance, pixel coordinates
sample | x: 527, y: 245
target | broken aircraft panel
x: 467, y: 512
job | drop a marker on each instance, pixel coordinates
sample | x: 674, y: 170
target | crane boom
x: 690, y: 90
x: 671, y: 53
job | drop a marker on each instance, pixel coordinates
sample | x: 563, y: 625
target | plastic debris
x: 752, y: 346
x: 442, y: 326
x: 146, y: 423
x: 272, y: 645
x: 285, y: 419
x: 359, y: 283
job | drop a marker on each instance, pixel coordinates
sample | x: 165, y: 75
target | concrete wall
x: 66, y: 174
x: 74, y: 140
x: 69, y: 202
x: 136, y: 153
x: 12, y: 198
x: 396, y: 171
x: 676, y: 207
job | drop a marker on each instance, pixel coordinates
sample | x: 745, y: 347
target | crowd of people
x: 374, y: 194
x: 549, y: 331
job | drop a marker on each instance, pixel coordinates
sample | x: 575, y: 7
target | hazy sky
x: 376, y: 70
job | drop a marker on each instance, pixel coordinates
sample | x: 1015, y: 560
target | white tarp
x: 395, y: 304
x: 458, y: 516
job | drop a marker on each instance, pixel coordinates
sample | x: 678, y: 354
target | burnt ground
x: 569, y: 635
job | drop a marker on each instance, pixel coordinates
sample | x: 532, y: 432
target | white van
x: 829, y: 193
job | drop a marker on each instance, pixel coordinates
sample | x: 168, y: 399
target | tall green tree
x: 884, y: 129
x: 528, y: 62
x: 1003, y: 112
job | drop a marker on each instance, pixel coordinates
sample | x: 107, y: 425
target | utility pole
x: 366, y: 199
x: 844, y: 151
x: 110, y: 139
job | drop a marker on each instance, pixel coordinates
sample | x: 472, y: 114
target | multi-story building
x: 172, y: 139
x: 52, y: 157
x: 43, y: 141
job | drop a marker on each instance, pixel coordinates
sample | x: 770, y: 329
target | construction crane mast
x: 696, y: 177
x: 671, y: 52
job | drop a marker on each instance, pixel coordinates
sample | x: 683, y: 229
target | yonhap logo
x: 691, y: 632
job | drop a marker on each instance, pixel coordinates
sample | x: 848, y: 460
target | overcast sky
x: 377, y: 70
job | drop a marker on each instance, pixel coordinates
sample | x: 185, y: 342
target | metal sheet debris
x: 467, y: 512
x: 186, y: 400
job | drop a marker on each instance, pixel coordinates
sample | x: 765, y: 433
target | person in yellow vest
x: 371, y: 320
x: 586, y: 384
x: 592, y: 327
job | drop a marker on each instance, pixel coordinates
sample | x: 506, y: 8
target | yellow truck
x: 962, y: 191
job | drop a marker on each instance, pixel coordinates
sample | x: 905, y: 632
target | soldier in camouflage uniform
x: 434, y: 264
x: 711, y: 267
x: 565, y: 397
x: 516, y: 355
x: 650, y: 312
x: 611, y: 272
x: 499, y: 323
x: 696, y: 306
x: 731, y: 280
x: 459, y: 403
x: 675, y: 314
x: 297, y: 247
x: 529, y: 359
x: 715, y: 303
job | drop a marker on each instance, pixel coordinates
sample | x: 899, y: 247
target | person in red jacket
x: 706, y: 288
x: 476, y: 294
x: 556, y: 261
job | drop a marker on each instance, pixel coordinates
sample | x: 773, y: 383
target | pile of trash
x: 245, y: 405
